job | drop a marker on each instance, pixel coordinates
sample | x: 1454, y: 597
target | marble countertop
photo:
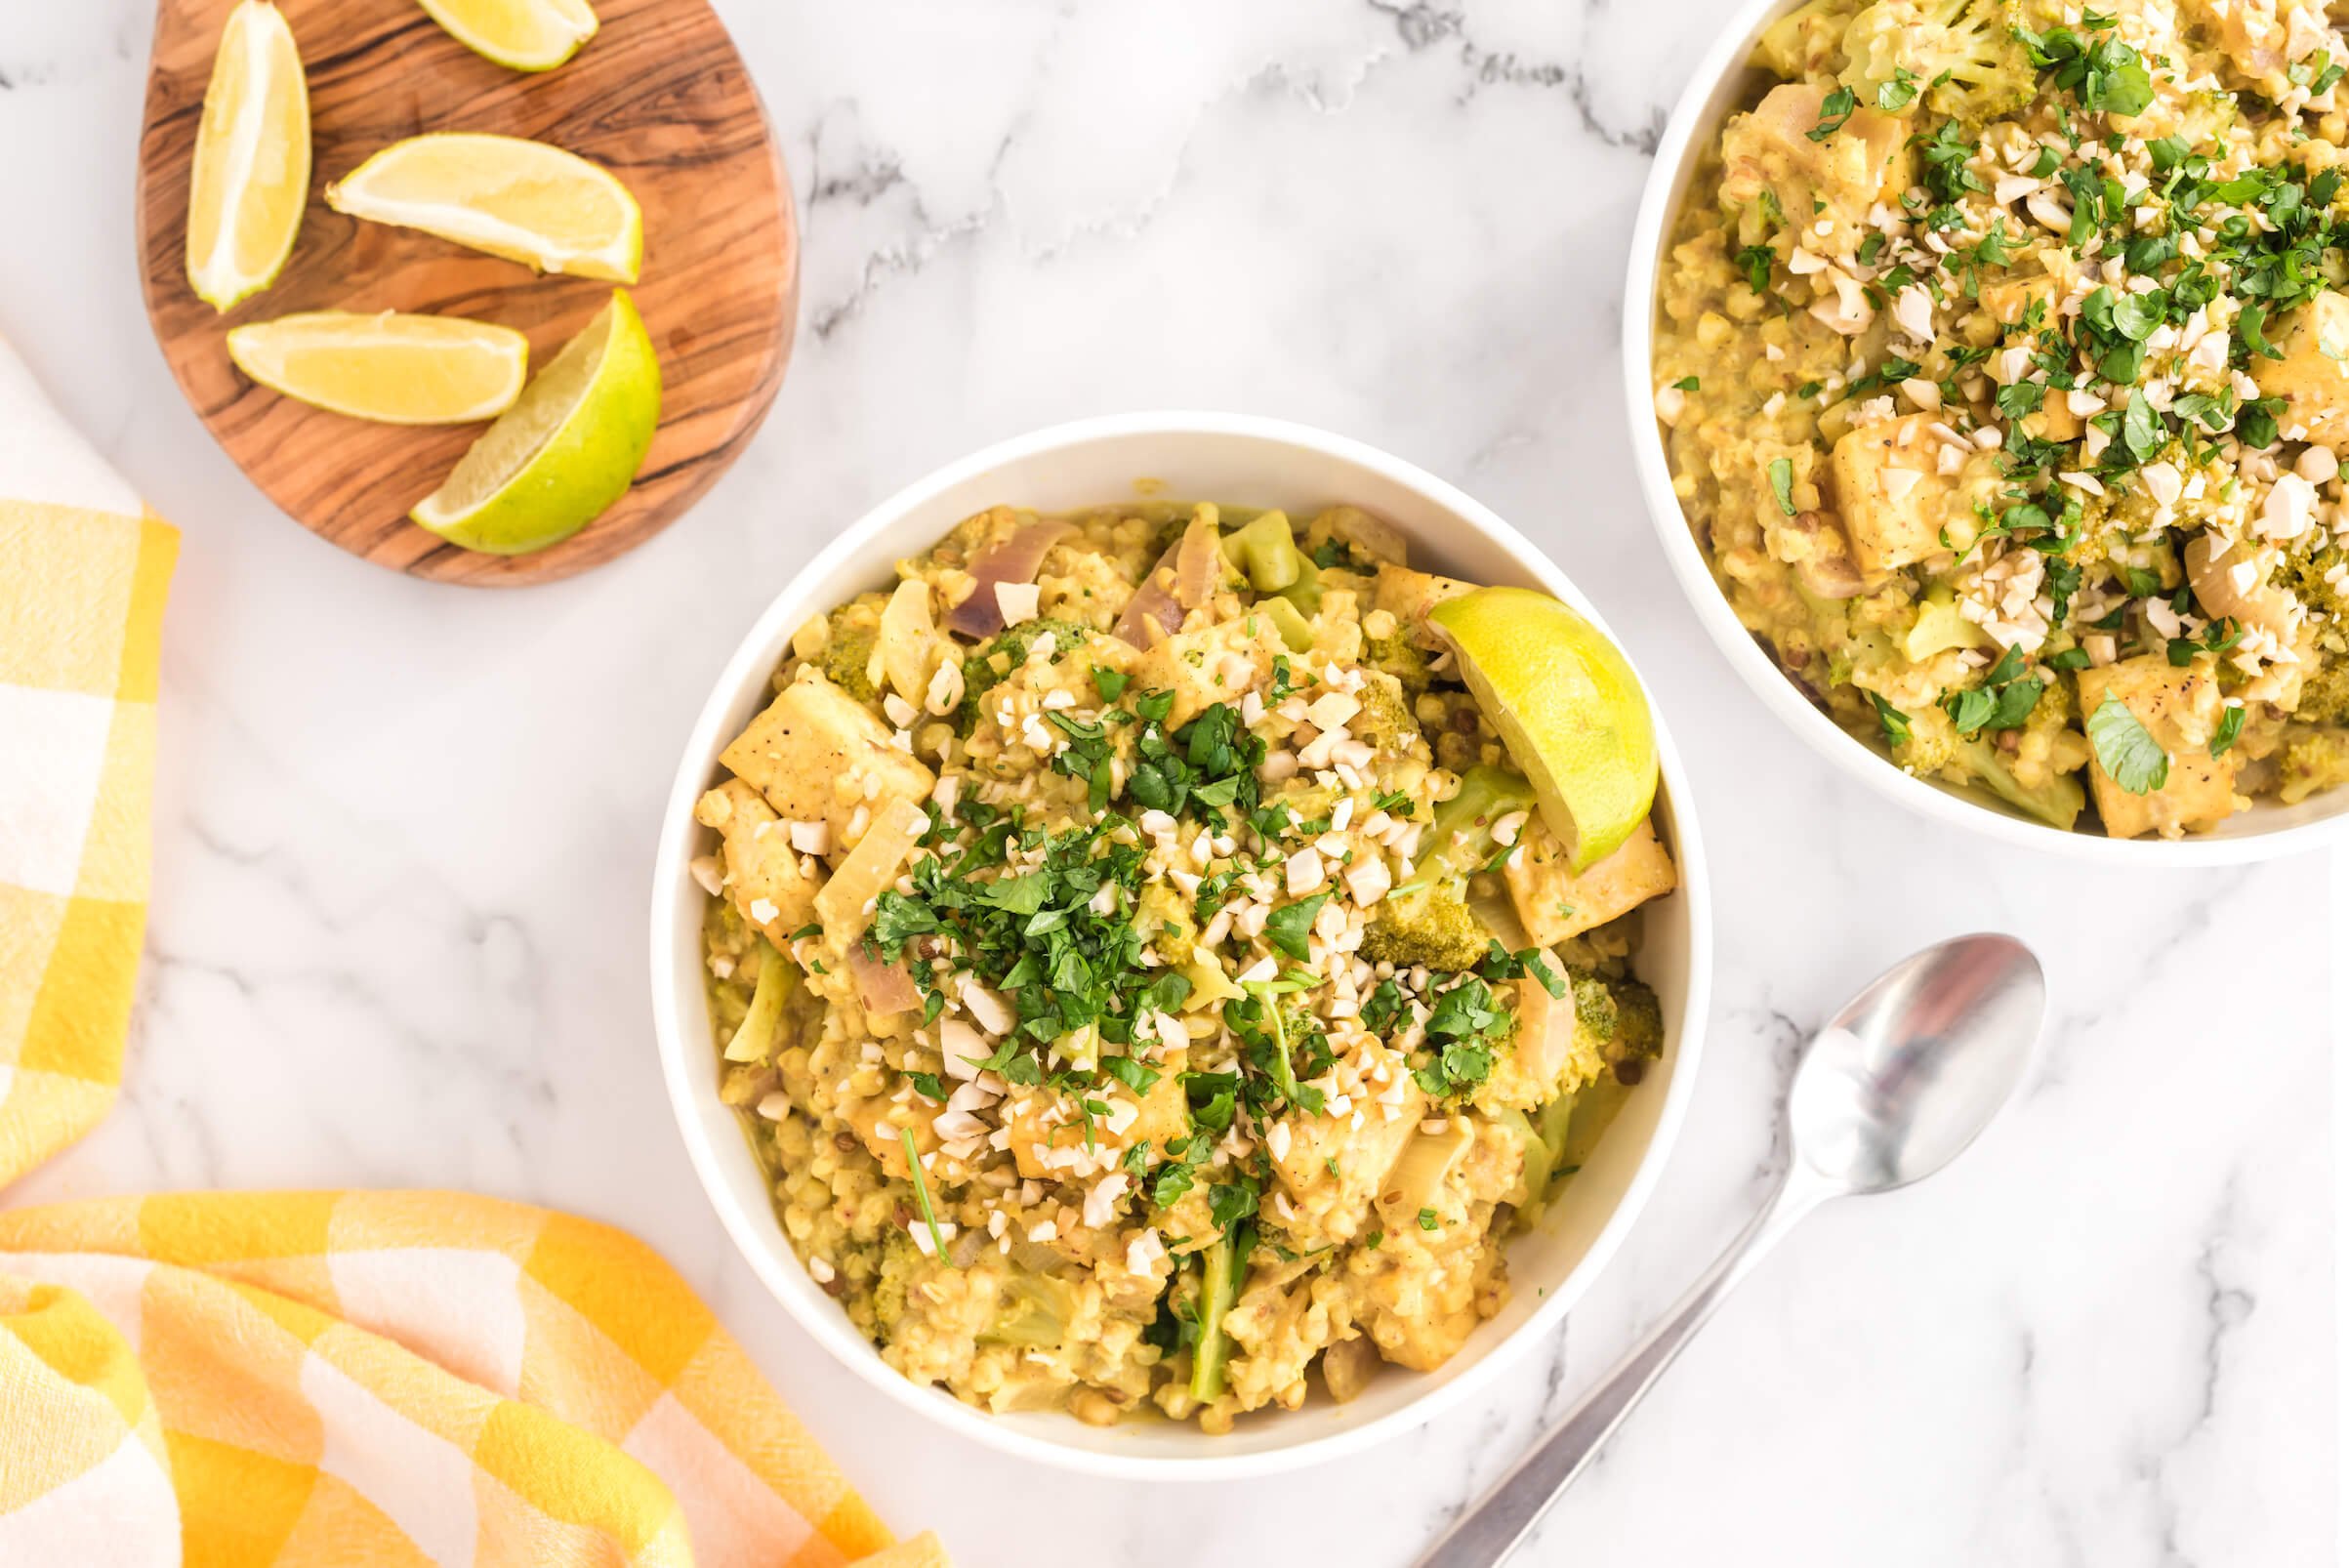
x: 404, y: 832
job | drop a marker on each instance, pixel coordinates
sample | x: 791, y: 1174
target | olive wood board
x: 659, y: 96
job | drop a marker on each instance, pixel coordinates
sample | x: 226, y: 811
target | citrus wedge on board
x: 528, y: 35
x: 527, y: 202
x: 395, y: 369
x: 251, y: 173
x: 1567, y: 706
x: 564, y: 452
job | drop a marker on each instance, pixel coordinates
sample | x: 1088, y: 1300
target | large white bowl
x: 1724, y: 82
x: 1239, y: 460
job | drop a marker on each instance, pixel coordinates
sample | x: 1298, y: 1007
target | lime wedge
x: 524, y: 201
x: 251, y: 174
x: 521, y: 34
x: 1568, y: 708
x: 398, y: 369
x: 565, y: 451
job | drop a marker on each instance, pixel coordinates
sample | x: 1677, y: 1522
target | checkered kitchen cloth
x: 308, y: 1378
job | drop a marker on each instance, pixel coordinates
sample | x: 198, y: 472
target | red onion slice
x: 1014, y: 561
x: 1182, y: 578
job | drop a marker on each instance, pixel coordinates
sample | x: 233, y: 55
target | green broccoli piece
x: 993, y: 664
x: 848, y: 659
x: 1437, y: 929
x: 900, y: 1259
x: 1033, y: 1310
x: 1620, y: 1015
x: 1803, y: 40
x: 1399, y: 656
x: 2304, y: 571
x: 1595, y: 1012
x: 2057, y: 803
x: 1460, y: 841
x: 2314, y: 762
x: 2325, y: 695
x: 1960, y: 57
x: 1640, y: 1015
x: 1385, y: 718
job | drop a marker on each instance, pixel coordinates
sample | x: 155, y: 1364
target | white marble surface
x: 404, y: 832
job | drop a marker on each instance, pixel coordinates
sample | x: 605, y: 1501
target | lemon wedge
x: 524, y: 201
x: 531, y: 35
x: 396, y: 369
x: 1568, y: 707
x: 251, y: 174
x: 564, y: 452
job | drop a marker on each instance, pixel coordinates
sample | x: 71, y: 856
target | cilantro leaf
x: 2129, y: 755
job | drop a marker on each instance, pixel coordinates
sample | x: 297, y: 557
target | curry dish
x: 2002, y: 366
x: 1143, y: 972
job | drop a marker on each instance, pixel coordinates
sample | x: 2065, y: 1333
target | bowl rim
x: 757, y: 1236
x: 1754, y: 664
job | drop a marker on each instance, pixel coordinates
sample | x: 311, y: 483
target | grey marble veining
x: 404, y: 832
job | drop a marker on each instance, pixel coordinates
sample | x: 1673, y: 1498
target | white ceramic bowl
x: 1243, y: 461
x: 1724, y: 82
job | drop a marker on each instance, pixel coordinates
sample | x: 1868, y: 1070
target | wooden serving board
x: 659, y: 96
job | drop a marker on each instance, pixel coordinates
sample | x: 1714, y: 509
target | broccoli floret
x: 1460, y: 841
x: 993, y: 664
x: 1400, y: 657
x: 2057, y: 802
x: 2315, y: 761
x: 1959, y: 57
x: 1802, y: 42
x: 1385, y: 718
x: 899, y: 1259
x: 849, y: 660
x: 1437, y: 930
x: 1621, y: 1015
x: 2304, y: 571
x: 1640, y: 1031
x: 1595, y: 1012
x: 2325, y: 694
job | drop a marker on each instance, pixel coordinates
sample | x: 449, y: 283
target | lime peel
x: 1568, y: 707
x: 568, y: 450
x: 250, y: 176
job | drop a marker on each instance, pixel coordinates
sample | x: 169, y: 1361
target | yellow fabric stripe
x: 236, y: 1506
x: 142, y: 630
x: 69, y: 1385
x: 622, y: 1287
x: 575, y: 1477
x: 83, y: 1009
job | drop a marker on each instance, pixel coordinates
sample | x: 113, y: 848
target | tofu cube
x: 2313, y: 376
x: 1214, y: 664
x: 1890, y: 493
x: 1838, y: 177
x: 762, y: 871
x: 814, y: 752
x: 2180, y: 709
x: 1555, y: 904
x: 1409, y: 595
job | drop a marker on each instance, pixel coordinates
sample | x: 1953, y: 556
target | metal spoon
x: 1895, y: 1086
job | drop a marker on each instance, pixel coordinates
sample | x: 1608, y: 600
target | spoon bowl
x: 1914, y: 1068
x: 1893, y: 1087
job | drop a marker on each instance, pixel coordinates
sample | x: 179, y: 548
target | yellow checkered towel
x: 303, y: 1377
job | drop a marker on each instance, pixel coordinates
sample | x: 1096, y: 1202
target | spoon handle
x: 1499, y: 1523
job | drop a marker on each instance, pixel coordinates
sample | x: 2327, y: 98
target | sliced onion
x: 1182, y: 578
x: 884, y: 988
x: 1198, y: 563
x: 1153, y: 602
x: 1014, y: 561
